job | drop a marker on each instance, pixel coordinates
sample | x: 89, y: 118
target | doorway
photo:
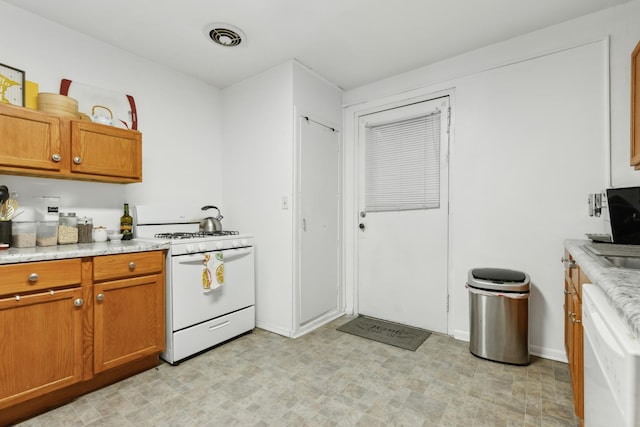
x: 403, y: 214
x: 319, y: 220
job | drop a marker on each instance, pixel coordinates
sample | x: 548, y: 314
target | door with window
x: 403, y: 209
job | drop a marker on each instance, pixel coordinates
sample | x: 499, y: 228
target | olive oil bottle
x: 126, y: 224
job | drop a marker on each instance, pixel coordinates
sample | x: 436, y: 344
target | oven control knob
x: 244, y: 242
x: 235, y: 243
x: 202, y: 247
x: 189, y: 249
x: 219, y: 245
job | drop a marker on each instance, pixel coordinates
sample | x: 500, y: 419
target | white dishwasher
x: 611, y: 364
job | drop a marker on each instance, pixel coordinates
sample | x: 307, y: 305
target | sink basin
x: 624, y: 262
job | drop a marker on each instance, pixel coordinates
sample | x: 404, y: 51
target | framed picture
x: 11, y: 85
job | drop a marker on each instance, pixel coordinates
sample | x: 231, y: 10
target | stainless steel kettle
x: 211, y: 224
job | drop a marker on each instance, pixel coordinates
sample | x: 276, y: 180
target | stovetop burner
x: 194, y: 235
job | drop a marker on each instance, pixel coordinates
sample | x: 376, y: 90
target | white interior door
x: 402, y: 249
x: 319, y: 220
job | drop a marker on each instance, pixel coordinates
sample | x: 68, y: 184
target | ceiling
x: 348, y: 42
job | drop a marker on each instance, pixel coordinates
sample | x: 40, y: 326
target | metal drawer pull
x: 77, y: 160
x: 56, y: 157
x: 100, y: 297
x: 132, y: 265
x: 33, y: 277
x: 78, y: 302
x: 219, y: 325
x: 571, y: 263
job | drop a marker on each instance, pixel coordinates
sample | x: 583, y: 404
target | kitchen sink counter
x: 47, y: 253
x: 621, y: 285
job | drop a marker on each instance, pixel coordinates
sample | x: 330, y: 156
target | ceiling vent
x: 224, y: 34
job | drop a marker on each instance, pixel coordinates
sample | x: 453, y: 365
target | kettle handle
x: 204, y: 208
x: 93, y: 110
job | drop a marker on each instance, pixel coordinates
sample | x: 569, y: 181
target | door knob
x: 361, y: 226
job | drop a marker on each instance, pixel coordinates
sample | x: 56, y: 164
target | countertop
x: 47, y: 253
x: 621, y: 285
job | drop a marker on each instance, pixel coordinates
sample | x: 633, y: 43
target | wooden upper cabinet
x: 98, y: 149
x: 635, y: 107
x: 29, y: 140
x: 37, y: 144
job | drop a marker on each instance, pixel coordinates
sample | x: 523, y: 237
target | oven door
x: 191, y: 304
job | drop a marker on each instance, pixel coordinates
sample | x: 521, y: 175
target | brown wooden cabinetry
x: 573, y: 336
x: 40, y: 333
x: 37, y: 144
x: 71, y: 326
x: 128, y: 313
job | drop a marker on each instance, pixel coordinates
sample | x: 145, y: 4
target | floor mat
x: 395, y: 334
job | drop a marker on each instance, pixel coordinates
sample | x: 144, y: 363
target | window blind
x: 403, y: 164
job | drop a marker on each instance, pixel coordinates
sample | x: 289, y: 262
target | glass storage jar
x: 85, y: 227
x: 67, y: 228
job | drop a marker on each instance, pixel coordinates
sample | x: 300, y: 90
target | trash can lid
x: 498, y: 279
x: 500, y: 275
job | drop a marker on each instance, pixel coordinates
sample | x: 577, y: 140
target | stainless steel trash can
x: 499, y: 315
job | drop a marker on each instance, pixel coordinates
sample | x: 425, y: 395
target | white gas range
x: 210, y: 285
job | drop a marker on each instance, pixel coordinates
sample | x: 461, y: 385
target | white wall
x: 259, y: 171
x: 497, y: 149
x: 257, y: 174
x: 179, y: 117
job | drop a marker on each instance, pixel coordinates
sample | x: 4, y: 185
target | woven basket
x: 58, y: 104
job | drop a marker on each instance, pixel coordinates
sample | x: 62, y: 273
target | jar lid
x: 85, y: 220
x: 67, y: 214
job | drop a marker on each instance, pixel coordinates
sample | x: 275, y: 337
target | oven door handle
x: 229, y: 255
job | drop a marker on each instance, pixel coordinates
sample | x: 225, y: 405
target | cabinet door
x: 568, y: 326
x: 128, y: 320
x: 40, y: 344
x: 29, y: 141
x: 106, y: 151
x: 577, y: 365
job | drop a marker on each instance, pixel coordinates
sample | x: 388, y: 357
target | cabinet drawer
x: 33, y: 276
x: 127, y: 265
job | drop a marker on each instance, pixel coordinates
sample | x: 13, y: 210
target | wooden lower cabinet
x: 573, y: 334
x: 129, y: 320
x: 79, y: 334
x: 40, y: 344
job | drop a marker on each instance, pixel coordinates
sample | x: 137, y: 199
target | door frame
x: 352, y: 116
x: 298, y: 329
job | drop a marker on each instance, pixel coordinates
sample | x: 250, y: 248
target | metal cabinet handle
x: 33, y: 277
x: 569, y: 292
x: 570, y: 263
x: 573, y: 318
x: 78, y: 302
x: 77, y: 160
x: 56, y: 157
x: 132, y: 265
x: 100, y: 297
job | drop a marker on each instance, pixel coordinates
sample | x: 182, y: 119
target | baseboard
x: 316, y: 323
x: 548, y: 353
x: 272, y: 328
x: 461, y: 335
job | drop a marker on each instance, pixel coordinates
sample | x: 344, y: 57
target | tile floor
x: 330, y: 378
